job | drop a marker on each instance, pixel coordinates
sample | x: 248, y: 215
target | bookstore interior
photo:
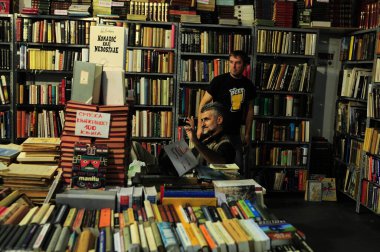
x: 144, y: 164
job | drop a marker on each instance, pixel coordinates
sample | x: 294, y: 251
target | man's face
x: 210, y: 122
x: 236, y: 66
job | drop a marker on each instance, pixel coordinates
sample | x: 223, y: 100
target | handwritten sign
x: 92, y: 124
x: 181, y: 157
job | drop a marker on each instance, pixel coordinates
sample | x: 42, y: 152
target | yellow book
x: 135, y: 237
x: 70, y: 217
x: 150, y: 237
x: 131, y: 216
x: 192, y: 201
x: 351, y: 47
x: 238, y: 237
x: 8, y: 212
x: 193, y: 239
x: 28, y: 217
x: 148, y: 210
x: 47, y: 215
x: 156, y: 212
x: 86, y: 241
x: 243, y: 233
x: 7, y: 201
x: 221, y: 213
x: 41, y: 213
x: 198, y: 234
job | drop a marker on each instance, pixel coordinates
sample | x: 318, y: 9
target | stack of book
x: 39, y: 151
x: 226, y: 15
x: 245, y: 14
x: 118, y: 142
x: 68, y: 137
x: 264, y: 12
x: 9, y: 152
x: 283, y: 14
x: 59, y: 7
x: 33, y: 180
x: 320, y: 16
x: 43, y: 6
x: 78, y: 10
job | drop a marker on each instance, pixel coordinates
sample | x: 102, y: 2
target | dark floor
x: 329, y: 226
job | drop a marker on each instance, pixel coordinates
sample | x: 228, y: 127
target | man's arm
x: 209, y: 155
x: 248, y: 123
x: 205, y: 99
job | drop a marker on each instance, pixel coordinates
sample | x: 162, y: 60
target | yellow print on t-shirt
x: 237, y: 98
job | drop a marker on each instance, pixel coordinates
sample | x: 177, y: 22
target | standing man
x: 236, y: 93
x: 214, y: 146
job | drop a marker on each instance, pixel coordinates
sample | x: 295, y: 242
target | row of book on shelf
x: 351, y: 118
x: 216, y: 42
x: 283, y: 42
x: 285, y: 77
x: 355, y: 82
x: 358, y: 47
x: 267, y: 155
x: 373, y: 104
x: 32, y: 92
x: 42, y: 59
x: 152, y: 124
x: 75, y: 32
x: 269, y: 131
x: 283, y: 105
x: 5, y: 57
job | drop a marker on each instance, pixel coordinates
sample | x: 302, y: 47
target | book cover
x: 89, y: 166
x: 113, y: 87
x: 107, y: 46
x: 86, y: 82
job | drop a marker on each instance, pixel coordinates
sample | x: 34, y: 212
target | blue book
x: 292, y: 131
x: 4, y: 152
x: 189, y: 193
x: 253, y: 209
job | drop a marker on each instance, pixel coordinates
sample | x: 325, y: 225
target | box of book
x: 89, y: 166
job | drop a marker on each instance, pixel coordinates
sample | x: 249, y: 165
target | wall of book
x: 6, y: 77
x: 284, y: 76
x: 203, y: 54
x: 47, y: 47
x: 353, y: 115
x: 150, y: 78
x: 370, y: 160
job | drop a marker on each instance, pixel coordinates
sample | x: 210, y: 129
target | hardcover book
x: 87, y: 79
x: 89, y: 166
x: 107, y: 46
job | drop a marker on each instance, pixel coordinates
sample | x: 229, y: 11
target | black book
x: 226, y: 210
x: 25, y: 235
x: 34, y: 238
x: 214, y: 214
x: 60, y: 214
x: 15, y: 234
x: 7, y: 231
x: 29, y: 237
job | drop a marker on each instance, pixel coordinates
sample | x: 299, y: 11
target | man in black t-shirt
x: 236, y: 93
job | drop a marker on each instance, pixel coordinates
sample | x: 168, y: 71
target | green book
x: 86, y: 84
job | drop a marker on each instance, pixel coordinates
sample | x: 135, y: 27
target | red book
x: 164, y: 217
x: 168, y: 213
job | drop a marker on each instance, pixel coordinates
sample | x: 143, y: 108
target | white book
x: 143, y: 240
x: 215, y: 235
x: 135, y: 238
x: 116, y: 241
x: 107, y: 46
x: 261, y: 240
x: 185, y: 240
x: 150, y: 237
x: 113, y: 87
x: 230, y: 242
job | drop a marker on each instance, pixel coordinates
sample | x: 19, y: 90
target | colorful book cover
x: 89, y: 166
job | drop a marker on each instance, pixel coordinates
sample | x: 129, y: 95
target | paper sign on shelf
x: 92, y: 124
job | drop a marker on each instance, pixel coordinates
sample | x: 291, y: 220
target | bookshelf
x: 6, y: 78
x: 285, y: 64
x: 203, y: 53
x: 369, y: 182
x: 352, y: 114
x: 47, y: 47
x: 151, y: 77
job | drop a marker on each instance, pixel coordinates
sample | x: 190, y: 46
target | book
x: 107, y: 46
x: 86, y: 84
x: 113, y: 87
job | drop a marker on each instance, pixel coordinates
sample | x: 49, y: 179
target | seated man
x: 213, y: 146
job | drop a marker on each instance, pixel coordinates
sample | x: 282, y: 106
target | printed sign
x: 181, y: 156
x: 92, y: 124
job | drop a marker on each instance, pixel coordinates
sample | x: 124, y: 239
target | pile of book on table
x: 175, y: 224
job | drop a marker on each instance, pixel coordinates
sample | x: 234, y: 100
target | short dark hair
x: 215, y: 106
x: 243, y: 55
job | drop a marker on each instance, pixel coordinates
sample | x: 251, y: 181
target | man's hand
x: 190, y: 129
